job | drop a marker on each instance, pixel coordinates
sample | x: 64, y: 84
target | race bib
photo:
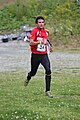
x: 41, y: 48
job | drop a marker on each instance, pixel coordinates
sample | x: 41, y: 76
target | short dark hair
x: 39, y: 17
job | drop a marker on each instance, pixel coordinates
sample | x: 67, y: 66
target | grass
x: 30, y: 103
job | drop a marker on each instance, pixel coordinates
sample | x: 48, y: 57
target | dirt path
x: 16, y: 54
x: 5, y: 2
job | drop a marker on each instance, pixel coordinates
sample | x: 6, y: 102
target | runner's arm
x: 32, y: 42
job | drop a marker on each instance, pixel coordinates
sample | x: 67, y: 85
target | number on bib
x: 41, y: 47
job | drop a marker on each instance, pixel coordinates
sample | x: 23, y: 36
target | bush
x: 62, y: 17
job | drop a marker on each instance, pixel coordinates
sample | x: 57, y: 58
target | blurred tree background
x: 62, y: 18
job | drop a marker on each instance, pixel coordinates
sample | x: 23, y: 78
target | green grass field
x: 30, y: 103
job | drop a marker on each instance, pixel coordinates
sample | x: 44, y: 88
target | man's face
x: 40, y: 23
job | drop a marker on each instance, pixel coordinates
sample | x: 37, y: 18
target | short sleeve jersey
x: 36, y: 35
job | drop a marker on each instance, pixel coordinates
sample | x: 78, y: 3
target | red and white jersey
x: 36, y: 35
